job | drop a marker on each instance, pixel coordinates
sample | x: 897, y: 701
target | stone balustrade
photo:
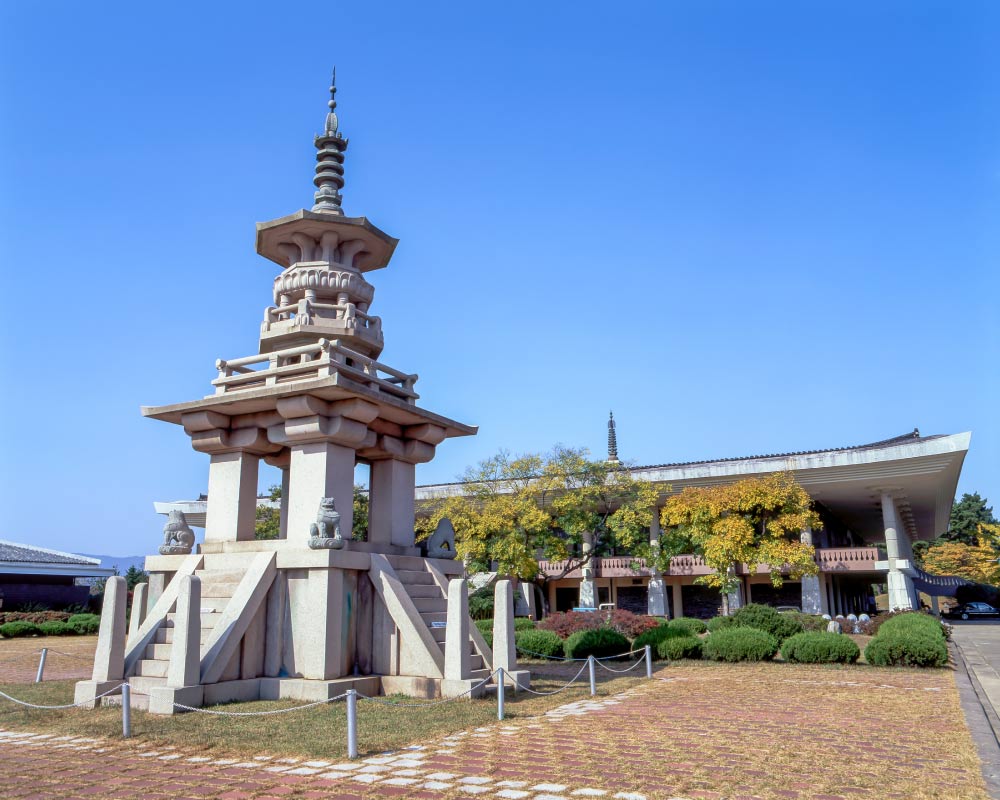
x: 833, y: 559
x: 323, y: 359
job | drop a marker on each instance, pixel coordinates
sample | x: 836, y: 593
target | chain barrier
x: 562, y: 688
x: 620, y: 671
x: 68, y: 705
x: 260, y: 713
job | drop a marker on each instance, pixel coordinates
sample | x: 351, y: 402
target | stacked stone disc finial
x: 330, y: 147
x: 612, y: 440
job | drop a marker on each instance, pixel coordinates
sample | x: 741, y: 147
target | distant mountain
x: 122, y: 562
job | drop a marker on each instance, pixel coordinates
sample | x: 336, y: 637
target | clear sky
x: 746, y: 227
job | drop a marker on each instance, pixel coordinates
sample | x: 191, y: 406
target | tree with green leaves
x: 967, y: 515
x: 268, y: 524
x: 561, y: 506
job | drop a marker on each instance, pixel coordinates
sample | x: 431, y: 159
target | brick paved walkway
x: 699, y: 731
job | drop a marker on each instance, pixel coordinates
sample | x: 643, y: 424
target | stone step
x: 143, y: 683
x: 479, y: 674
x: 477, y: 663
x: 434, y: 616
x: 226, y: 562
x: 430, y: 603
x: 416, y: 590
x: 152, y: 668
x: 166, y: 635
x: 219, y: 583
x: 209, y: 619
x: 158, y: 651
x: 408, y: 577
x: 406, y: 562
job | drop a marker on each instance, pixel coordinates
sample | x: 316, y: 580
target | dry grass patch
x: 69, y: 657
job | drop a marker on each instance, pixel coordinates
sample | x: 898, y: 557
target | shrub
x: 481, y: 604
x: 485, y: 627
x: 907, y: 649
x: 740, y: 644
x: 524, y: 624
x: 718, y: 623
x: 539, y: 643
x: 819, y: 648
x: 565, y: 623
x: 11, y: 630
x: 37, y: 617
x: 809, y: 622
x: 630, y: 625
x: 85, y: 623
x: 912, y: 622
x: 677, y: 647
x: 600, y: 643
x: 765, y: 618
x: 56, y: 627
x: 655, y: 636
x: 688, y: 625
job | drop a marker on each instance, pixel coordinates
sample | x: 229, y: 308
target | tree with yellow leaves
x: 973, y: 562
x: 513, y: 510
x: 753, y: 521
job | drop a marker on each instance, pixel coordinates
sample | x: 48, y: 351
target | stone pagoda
x: 313, y: 612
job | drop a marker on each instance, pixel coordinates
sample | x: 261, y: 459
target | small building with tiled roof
x: 31, y: 575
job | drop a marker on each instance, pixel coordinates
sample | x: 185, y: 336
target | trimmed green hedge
x: 820, y: 648
x: 688, y: 625
x: 677, y: 647
x: 765, y: 618
x: 913, y: 622
x: 599, y: 642
x: 523, y: 624
x: 655, y: 636
x: 485, y: 627
x: 907, y: 648
x: 534, y: 643
x: 57, y: 628
x: 11, y: 630
x: 740, y: 644
x: 718, y: 623
x: 85, y: 623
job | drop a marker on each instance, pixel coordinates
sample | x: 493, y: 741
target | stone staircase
x: 432, y: 602
x: 217, y: 588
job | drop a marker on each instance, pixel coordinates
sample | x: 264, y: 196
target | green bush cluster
x: 524, y: 624
x: 910, y: 639
x: 56, y: 627
x: 740, y: 644
x: 765, y: 618
x: 677, y: 647
x: 909, y: 649
x: 813, y: 647
x: 655, y: 636
x: 539, y: 643
x: 485, y: 627
x: 85, y: 623
x: 718, y: 623
x: 688, y: 625
x: 599, y: 642
x: 481, y: 604
x: 11, y: 630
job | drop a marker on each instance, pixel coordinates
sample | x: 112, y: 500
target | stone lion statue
x: 324, y: 533
x: 441, y: 543
x: 178, y: 538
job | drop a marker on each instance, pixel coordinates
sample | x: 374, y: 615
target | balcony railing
x: 320, y: 360
x: 832, y: 559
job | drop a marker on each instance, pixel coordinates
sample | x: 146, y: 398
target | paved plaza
x: 702, y: 731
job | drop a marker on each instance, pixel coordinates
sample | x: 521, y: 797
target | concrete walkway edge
x: 982, y: 719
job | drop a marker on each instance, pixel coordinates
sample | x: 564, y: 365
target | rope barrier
x: 620, y: 671
x: 259, y: 713
x: 429, y: 703
x: 560, y: 689
x: 562, y: 658
x: 68, y: 705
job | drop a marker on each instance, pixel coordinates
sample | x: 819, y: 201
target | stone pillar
x: 317, y: 470
x: 109, y: 660
x: 138, y: 615
x: 457, y: 659
x: 812, y: 595
x: 529, y: 594
x: 283, y: 511
x: 736, y: 599
x: 588, y: 587
x: 677, y: 602
x: 504, y: 650
x: 390, y: 508
x: 185, y: 653
x: 902, y: 594
x: 657, y: 601
x: 232, y: 497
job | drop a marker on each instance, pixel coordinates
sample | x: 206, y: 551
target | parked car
x: 972, y: 610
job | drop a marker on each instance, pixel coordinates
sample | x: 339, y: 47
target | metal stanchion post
x: 649, y: 662
x: 500, y: 688
x: 352, y: 723
x: 593, y: 678
x: 126, y: 711
x: 41, y: 665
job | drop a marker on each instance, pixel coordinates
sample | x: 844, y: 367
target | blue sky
x: 745, y: 227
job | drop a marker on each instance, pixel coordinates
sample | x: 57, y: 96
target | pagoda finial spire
x: 612, y: 439
x: 330, y: 147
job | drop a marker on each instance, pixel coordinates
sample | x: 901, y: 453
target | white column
x: 185, y: 654
x: 678, y: 602
x: 504, y: 649
x: 657, y: 601
x: 232, y: 497
x: 588, y: 587
x: 390, y: 505
x: 318, y: 470
x: 457, y: 659
x: 812, y: 595
x: 902, y: 594
x: 283, y: 511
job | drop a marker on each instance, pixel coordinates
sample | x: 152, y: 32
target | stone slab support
x: 138, y: 615
x: 318, y: 470
x: 457, y: 661
x: 232, y: 497
x: 185, y: 655
x: 902, y: 594
x: 109, y: 660
x: 391, y: 509
x: 504, y: 650
x: 677, y: 601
